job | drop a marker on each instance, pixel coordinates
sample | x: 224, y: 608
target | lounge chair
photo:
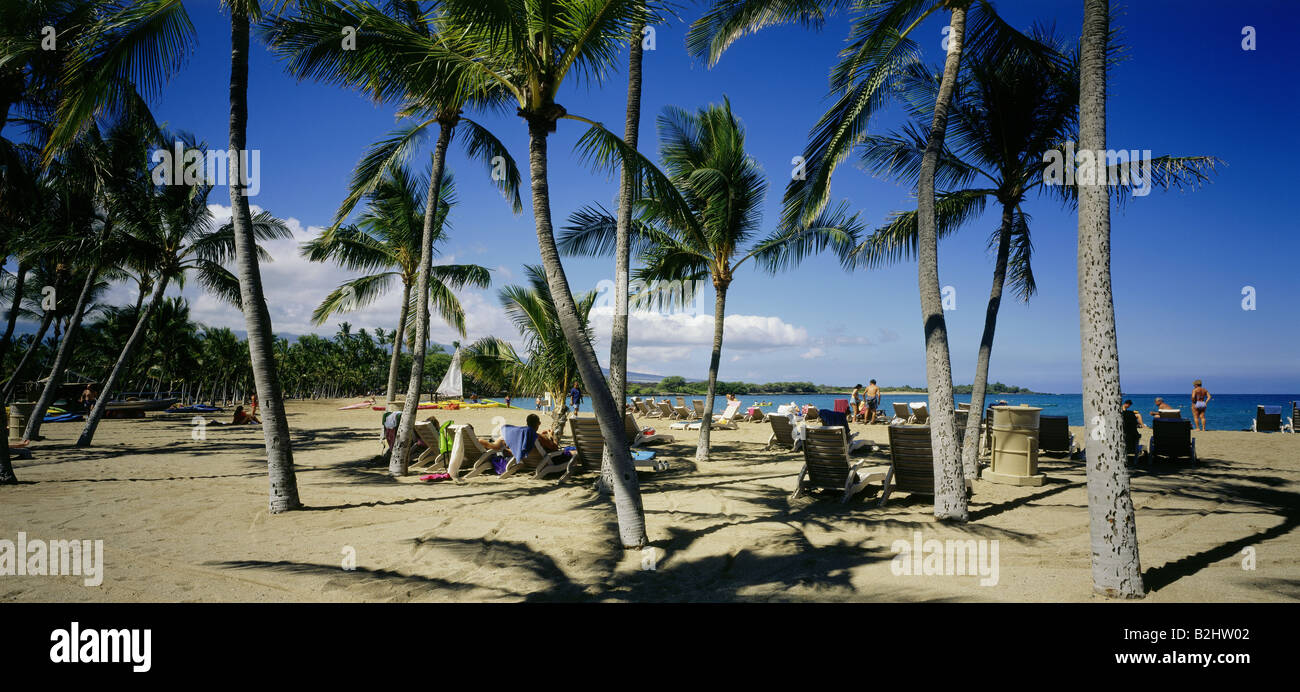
x: 835, y: 419
x: 725, y: 421
x: 636, y: 437
x: 756, y: 415
x: 681, y: 402
x: 1054, y: 436
x: 697, y: 407
x: 810, y: 413
x: 437, y: 440
x: 782, y: 434
x: 644, y: 409
x: 1172, y: 439
x: 1132, y: 438
x: 920, y: 413
x: 1267, y: 419
x: 1294, y: 420
x: 902, y: 414
x: 827, y: 465
x: 911, y: 461
x: 666, y: 410
x: 590, y: 444
x: 1170, y: 413
x: 534, y: 458
x: 465, y: 448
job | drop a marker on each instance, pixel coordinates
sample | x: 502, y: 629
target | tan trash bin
x: 19, y: 412
x: 1015, y: 446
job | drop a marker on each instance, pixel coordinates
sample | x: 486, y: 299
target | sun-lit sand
x: 186, y: 520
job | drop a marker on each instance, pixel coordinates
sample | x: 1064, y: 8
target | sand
x: 186, y: 520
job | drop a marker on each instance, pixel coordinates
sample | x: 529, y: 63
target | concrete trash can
x: 1015, y: 446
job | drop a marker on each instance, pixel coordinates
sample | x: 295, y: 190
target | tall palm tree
x: 1007, y: 118
x: 1116, y: 568
x: 142, y: 44
x: 547, y: 364
x: 723, y: 187
x: 622, y: 252
x: 401, y: 56
x: 878, y: 50
x: 387, y: 237
x: 172, y: 225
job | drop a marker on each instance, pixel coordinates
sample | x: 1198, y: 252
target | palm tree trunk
x: 622, y: 251
x: 128, y: 350
x: 62, y: 357
x: 19, y: 281
x: 9, y: 387
x: 397, y: 463
x: 719, y: 315
x: 257, y: 319
x: 1116, y: 569
x: 627, y: 495
x: 970, y: 449
x: 949, y: 480
x: 397, y: 344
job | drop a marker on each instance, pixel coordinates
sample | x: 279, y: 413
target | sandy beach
x: 185, y: 520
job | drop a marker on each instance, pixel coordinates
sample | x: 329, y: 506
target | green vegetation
x: 678, y: 385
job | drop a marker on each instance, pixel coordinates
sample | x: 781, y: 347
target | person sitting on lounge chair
x: 1128, y: 406
x: 241, y: 417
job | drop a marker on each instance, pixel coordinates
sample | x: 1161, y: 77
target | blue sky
x: 1180, y: 259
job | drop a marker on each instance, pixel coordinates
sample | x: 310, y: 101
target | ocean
x: 1225, y: 412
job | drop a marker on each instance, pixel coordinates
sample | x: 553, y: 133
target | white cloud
x: 814, y: 352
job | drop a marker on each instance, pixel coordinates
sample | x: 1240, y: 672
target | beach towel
x: 642, y: 455
x: 834, y: 418
x: 197, y: 408
x: 520, y: 439
x: 64, y: 418
x: 436, y: 477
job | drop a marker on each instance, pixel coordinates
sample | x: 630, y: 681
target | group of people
x: 1200, y: 402
x: 864, y: 404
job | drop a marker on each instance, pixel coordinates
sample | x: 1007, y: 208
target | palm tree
x: 1116, y: 569
x: 622, y: 251
x: 723, y: 187
x: 547, y: 364
x: 143, y: 44
x: 401, y: 58
x: 1006, y: 120
x: 173, y: 229
x: 387, y: 237
x: 877, y: 53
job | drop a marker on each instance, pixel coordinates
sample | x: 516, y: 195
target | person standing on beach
x: 575, y: 397
x: 507, y: 401
x: 537, y: 403
x: 1200, y: 400
x: 854, y: 400
x: 873, y: 401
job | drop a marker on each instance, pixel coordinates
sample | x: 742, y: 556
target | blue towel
x: 64, y: 418
x: 642, y: 454
x: 833, y: 417
x: 520, y: 439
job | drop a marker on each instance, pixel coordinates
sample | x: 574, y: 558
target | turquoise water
x: 1226, y: 411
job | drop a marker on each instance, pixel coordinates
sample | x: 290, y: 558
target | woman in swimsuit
x: 1200, y: 400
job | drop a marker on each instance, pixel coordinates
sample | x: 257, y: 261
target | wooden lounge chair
x: 681, y: 413
x: 756, y: 415
x: 1294, y: 420
x: 1172, y: 439
x: 465, y: 448
x: 644, y: 409
x: 911, y: 462
x: 1170, y: 413
x: 431, y: 434
x: 920, y: 413
x: 681, y: 402
x: 782, y: 434
x: 1054, y: 436
x: 697, y: 408
x: 636, y: 437
x: 725, y: 421
x: 590, y: 444
x: 536, y: 459
x: 666, y: 410
x: 827, y: 465
x: 1267, y: 419
x: 835, y: 419
x: 902, y: 414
